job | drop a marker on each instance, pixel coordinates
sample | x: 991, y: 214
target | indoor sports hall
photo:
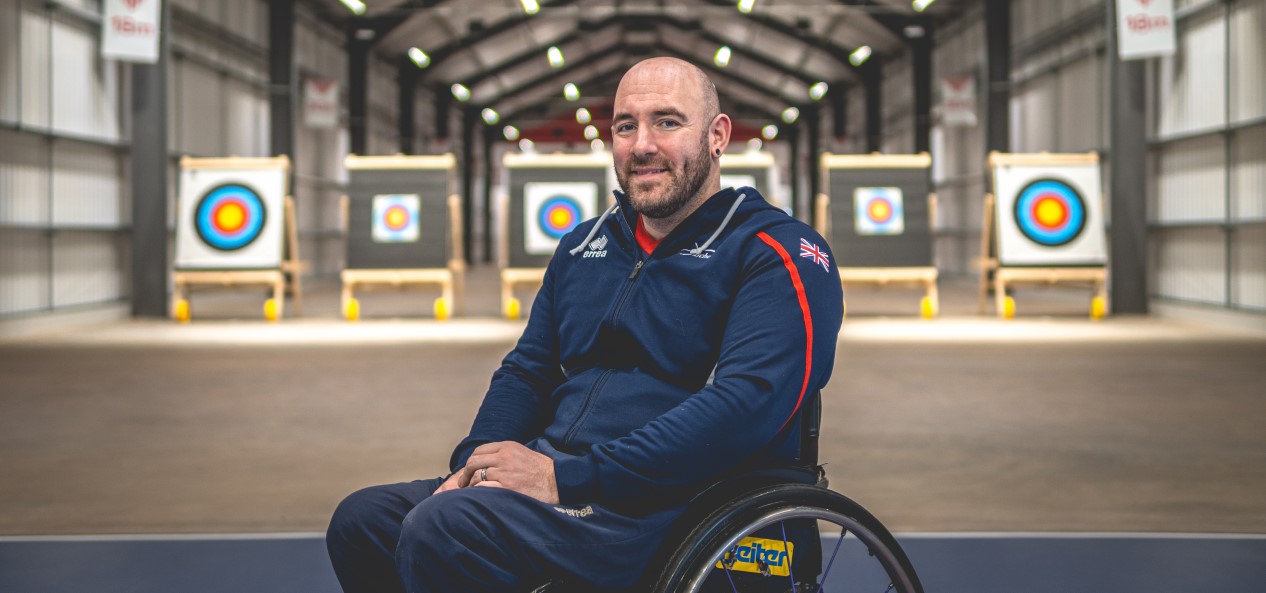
x: 257, y: 255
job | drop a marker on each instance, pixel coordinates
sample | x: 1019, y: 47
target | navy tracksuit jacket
x: 645, y: 377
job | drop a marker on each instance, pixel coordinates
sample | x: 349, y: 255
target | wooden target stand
x: 1092, y: 277
x: 285, y: 278
x: 450, y: 279
x: 511, y: 306
x: 881, y: 278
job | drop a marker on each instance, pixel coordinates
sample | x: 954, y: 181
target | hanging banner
x: 958, y: 101
x: 130, y: 30
x: 320, y: 103
x: 1145, y: 29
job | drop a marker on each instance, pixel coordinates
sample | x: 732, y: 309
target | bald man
x: 673, y: 342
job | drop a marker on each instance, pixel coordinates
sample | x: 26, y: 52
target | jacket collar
x: 699, y: 225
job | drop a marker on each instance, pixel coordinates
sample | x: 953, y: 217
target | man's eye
x: 669, y: 123
x: 624, y: 128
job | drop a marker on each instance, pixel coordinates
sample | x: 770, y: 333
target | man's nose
x: 644, y: 143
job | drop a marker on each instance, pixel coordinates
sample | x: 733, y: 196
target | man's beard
x: 682, y: 187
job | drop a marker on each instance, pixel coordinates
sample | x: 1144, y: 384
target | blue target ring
x: 1050, y: 212
x: 229, y: 217
x: 558, y: 216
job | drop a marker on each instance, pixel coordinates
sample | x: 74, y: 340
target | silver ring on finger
x: 483, y: 474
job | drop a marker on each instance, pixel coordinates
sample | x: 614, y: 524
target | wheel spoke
x: 791, y: 573
x: 831, y: 562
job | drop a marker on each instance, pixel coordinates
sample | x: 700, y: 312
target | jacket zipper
x: 584, y: 408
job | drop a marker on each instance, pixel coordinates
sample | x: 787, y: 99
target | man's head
x: 668, y: 137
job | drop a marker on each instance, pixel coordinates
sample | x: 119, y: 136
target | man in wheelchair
x: 675, y: 341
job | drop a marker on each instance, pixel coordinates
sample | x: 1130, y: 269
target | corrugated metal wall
x: 64, y: 196
x: 1207, y: 208
x: 62, y: 212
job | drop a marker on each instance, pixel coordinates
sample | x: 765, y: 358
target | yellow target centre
x: 560, y: 218
x: 1050, y: 212
x: 396, y: 217
x: 879, y: 210
x: 230, y: 217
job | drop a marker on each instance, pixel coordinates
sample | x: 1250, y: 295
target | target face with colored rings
x: 396, y: 218
x: 230, y: 217
x: 559, y: 215
x: 878, y: 211
x: 1050, y: 212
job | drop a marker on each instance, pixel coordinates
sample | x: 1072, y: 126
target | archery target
x: 230, y: 218
x: 396, y: 218
x: 551, y: 210
x: 879, y: 211
x: 1050, y: 215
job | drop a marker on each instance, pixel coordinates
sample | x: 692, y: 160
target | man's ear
x: 719, y: 133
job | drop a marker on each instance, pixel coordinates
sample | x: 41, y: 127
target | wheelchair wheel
x: 743, y: 547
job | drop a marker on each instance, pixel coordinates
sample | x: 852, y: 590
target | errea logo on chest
x: 596, y: 248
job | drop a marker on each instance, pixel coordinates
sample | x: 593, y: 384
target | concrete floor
x: 1046, y: 423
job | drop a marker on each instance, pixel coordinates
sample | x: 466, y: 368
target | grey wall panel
x: 86, y: 268
x: 1248, y: 286
x: 1080, y: 106
x: 36, y: 63
x: 1248, y: 175
x: 1033, y: 109
x: 1191, y: 84
x: 10, y: 50
x: 87, y: 186
x: 24, y: 262
x: 24, y: 179
x: 201, y: 110
x: 1191, y: 182
x: 1248, y: 60
x: 85, y: 93
x: 1188, y: 265
x: 242, y: 125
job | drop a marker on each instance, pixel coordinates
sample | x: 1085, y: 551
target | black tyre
x: 737, y: 548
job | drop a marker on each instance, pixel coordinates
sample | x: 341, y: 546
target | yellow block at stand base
x: 926, y: 308
x: 181, y: 311
x: 271, y: 312
x: 1008, y: 308
x: 441, y: 308
x: 512, y: 309
x: 351, y: 311
x: 1098, y: 307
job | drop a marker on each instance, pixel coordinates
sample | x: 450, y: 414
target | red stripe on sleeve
x: 808, y: 319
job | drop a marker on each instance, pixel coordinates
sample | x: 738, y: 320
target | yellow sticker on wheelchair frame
x: 759, y: 556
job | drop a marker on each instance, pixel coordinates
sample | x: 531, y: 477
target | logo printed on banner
x: 817, y: 254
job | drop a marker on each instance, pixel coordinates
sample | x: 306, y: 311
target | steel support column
x: 282, y: 78
x: 839, y: 112
x: 150, y: 268
x: 1127, y: 194
x: 997, y: 67
x: 921, y: 51
x: 407, y: 75
x: 491, y: 134
x: 813, y: 120
x: 872, y: 74
x: 358, y: 50
x: 470, y: 121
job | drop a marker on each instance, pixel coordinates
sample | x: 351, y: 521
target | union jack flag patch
x: 815, y: 253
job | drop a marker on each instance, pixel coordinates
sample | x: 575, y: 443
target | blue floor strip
x: 947, y: 563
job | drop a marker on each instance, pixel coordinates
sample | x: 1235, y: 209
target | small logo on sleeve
x: 597, y: 248
x: 817, y: 254
x: 579, y: 513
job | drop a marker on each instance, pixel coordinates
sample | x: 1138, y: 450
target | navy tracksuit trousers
x: 399, y: 537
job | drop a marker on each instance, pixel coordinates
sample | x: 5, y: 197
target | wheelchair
x: 776, y: 530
